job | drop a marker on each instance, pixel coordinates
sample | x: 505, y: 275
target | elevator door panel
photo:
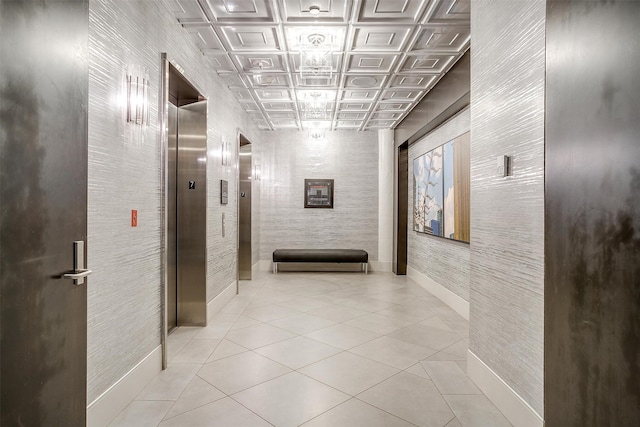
x: 244, y: 206
x: 172, y: 165
x: 192, y: 213
x: 43, y: 200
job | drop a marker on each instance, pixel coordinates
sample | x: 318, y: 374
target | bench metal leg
x: 275, y: 268
x: 365, y: 267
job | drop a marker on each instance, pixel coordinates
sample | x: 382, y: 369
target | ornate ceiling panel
x: 334, y: 64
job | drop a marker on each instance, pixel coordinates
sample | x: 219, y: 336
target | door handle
x: 79, y: 272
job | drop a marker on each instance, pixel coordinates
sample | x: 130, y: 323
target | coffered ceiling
x: 333, y: 64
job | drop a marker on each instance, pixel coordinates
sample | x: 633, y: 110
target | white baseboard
x: 255, y: 268
x: 380, y: 266
x: 459, y: 304
x: 109, y: 404
x: 217, y: 304
x: 514, y: 407
x: 264, y: 265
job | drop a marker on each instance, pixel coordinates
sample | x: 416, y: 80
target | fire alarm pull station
x: 134, y: 218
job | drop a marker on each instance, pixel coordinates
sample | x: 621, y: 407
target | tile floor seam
x: 387, y: 300
x: 385, y: 411
x: 248, y: 409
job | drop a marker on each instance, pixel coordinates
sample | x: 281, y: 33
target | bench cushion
x: 320, y: 255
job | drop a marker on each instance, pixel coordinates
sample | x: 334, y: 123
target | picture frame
x: 318, y: 193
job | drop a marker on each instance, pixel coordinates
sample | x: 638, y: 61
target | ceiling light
x: 314, y: 10
x: 316, y: 54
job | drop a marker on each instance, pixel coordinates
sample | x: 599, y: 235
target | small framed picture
x: 318, y: 193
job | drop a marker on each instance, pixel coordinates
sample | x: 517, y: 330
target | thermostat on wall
x: 503, y: 166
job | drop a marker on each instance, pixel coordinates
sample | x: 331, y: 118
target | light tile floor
x: 319, y: 349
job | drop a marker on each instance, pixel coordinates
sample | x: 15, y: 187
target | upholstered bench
x: 321, y: 255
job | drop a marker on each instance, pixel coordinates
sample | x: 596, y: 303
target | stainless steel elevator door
x: 244, y: 214
x: 43, y: 198
x: 172, y: 249
x: 192, y: 214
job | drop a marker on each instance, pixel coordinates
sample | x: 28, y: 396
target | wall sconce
x: 137, y: 87
x: 225, y: 153
x: 257, y: 176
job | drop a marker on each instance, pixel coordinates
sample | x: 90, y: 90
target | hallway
x: 319, y: 349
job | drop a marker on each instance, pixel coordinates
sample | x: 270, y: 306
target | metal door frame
x: 164, y: 164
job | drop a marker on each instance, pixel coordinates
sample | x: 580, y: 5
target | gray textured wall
x: 124, y: 174
x: 351, y: 159
x: 445, y: 261
x: 507, y: 214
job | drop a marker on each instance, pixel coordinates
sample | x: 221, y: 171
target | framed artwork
x: 442, y: 187
x: 318, y: 193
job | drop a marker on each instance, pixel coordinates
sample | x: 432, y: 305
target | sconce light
x: 257, y: 172
x: 225, y: 152
x: 137, y: 88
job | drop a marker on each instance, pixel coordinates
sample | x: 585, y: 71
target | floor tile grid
x: 346, y: 305
x: 317, y: 298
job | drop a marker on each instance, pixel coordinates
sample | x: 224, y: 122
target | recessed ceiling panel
x: 328, y: 10
x: 364, y: 81
x: 261, y: 63
x: 442, y: 39
x: 188, y: 11
x: 354, y: 106
x: 352, y: 116
x: 349, y: 124
x: 412, y: 81
x: 255, y: 38
x: 265, y: 80
x: 285, y: 124
x: 380, y: 124
x: 405, y: 11
x: 449, y: 12
x: 232, y: 81
x: 274, y: 95
x: 370, y: 62
x: 385, y: 116
x: 401, y: 95
x: 380, y: 38
x: 359, y: 95
x: 281, y: 115
x: 221, y: 62
x: 426, y: 63
x: 251, y: 107
x: 279, y: 106
x: 399, y: 107
x: 241, y: 10
x: 242, y: 95
x: 206, y: 39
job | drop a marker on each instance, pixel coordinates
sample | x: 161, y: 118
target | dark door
x: 592, y: 215
x: 400, y: 263
x: 43, y: 205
